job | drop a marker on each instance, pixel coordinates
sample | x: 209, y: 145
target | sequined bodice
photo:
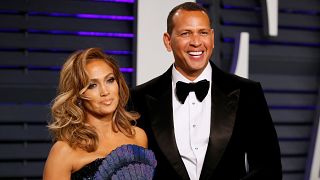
x: 125, y: 162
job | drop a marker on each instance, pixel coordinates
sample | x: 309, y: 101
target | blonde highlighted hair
x: 68, y: 121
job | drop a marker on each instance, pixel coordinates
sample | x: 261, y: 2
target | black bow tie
x: 200, y: 88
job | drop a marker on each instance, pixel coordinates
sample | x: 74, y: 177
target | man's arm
x: 263, y: 151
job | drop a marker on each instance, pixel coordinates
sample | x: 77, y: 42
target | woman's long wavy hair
x: 68, y: 121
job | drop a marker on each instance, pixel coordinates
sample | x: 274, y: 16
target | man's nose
x: 195, y: 40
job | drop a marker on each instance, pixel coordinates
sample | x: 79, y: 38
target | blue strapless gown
x: 125, y: 162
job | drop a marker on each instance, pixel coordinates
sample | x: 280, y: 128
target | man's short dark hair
x: 187, y: 6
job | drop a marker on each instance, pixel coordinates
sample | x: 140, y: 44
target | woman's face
x: 103, y: 91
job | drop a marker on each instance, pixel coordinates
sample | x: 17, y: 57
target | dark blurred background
x: 36, y: 36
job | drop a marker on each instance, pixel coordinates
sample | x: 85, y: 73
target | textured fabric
x: 88, y: 171
x: 125, y: 162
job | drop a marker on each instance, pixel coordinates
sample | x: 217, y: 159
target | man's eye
x: 204, y: 33
x: 185, y: 34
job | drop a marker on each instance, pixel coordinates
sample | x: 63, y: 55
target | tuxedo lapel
x: 161, y: 117
x: 223, y: 113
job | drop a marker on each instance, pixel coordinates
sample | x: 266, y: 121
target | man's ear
x: 166, y: 41
x: 212, y: 30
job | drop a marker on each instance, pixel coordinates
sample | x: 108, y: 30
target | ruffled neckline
x: 127, y: 161
x: 117, y: 156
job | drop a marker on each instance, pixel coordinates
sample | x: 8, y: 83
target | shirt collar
x: 206, y: 74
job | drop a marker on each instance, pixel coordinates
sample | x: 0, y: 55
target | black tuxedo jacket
x: 240, y: 123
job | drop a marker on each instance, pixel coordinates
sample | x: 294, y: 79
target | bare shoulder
x: 141, y: 137
x: 61, y: 150
x: 61, y: 147
x: 59, y: 163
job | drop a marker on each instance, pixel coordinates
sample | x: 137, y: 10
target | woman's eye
x: 111, y: 80
x: 92, y: 85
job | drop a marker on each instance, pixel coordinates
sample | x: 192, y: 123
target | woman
x: 93, y: 134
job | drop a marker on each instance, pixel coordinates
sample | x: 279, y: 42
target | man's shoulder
x: 153, y: 88
x: 149, y: 84
x: 231, y: 81
x: 156, y: 84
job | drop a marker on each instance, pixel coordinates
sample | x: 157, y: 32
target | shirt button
x: 193, y: 103
x: 196, y: 148
x: 194, y: 125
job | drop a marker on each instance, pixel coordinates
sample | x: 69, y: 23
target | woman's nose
x: 104, y: 91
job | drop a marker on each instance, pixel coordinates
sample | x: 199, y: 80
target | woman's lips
x: 107, y: 102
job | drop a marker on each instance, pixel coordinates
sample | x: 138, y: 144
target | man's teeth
x: 197, y: 53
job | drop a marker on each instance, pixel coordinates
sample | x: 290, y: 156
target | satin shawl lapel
x: 223, y: 113
x: 161, y: 117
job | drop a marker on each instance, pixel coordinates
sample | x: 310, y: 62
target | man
x: 208, y: 134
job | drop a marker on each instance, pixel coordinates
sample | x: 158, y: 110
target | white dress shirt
x: 191, y: 122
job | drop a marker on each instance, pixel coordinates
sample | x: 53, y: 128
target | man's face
x: 191, y: 41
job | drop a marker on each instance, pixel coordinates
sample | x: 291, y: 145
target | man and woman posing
x: 201, y: 122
